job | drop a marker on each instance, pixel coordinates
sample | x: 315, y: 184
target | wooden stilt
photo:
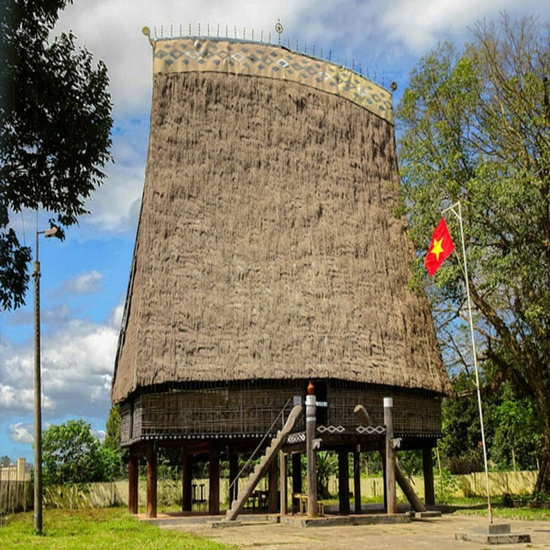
x: 343, y: 481
x: 214, y: 482
x: 296, y: 480
x: 133, y: 484
x: 283, y: 466
x: 428, y: 467
x: 390, y: 457
x: 151, y: 511
x: 273, y: 488
x: 187, y: 482
x: 311, y: 454
x: 357, y: 479
x: 233, y: 473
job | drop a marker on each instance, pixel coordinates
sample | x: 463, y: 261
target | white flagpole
x: 472, y: 335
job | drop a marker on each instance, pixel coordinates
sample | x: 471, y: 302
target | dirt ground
x: 423, y: 534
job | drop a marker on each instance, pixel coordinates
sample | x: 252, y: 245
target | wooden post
x: 214, y: 482
x: 233, y: 473
x: 428, y: 467
x: 283, y: 466
x: 311, y: 458
x: 357, y: 478
x: 133, y: 484
x: 151, y: 481
x: 273, y: 488
x: 343, y: 481
x: 390, y: 457
x: 187, y: 482
x: 296, y: 479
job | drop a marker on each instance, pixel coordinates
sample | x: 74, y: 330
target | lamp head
x: 51, y: 232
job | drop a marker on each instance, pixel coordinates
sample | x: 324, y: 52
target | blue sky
x: 84, y: 278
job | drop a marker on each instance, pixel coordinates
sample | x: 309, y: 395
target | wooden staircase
x: 262, y: 466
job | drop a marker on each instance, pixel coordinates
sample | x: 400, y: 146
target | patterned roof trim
x: 178, y: 55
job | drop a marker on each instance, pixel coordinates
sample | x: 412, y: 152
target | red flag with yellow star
x: 441, y: 247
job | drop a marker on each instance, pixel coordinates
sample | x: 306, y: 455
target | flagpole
x: 472, y: 335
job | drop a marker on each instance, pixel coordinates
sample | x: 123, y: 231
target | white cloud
x: 77, y: 367
x: 116, y: 316
x: 21, y: 433
x: 85, y: 283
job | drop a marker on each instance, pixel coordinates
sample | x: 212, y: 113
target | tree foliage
x: 55, y: 121
x: 476, y: 129
x: 73, y: 455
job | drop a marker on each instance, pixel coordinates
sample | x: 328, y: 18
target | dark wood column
x: 133, y: 484
x: 296, y: 479
x: 283, y: 463
x: 357, y: 479
x: 187, y: 482
x: 428, y: 466
x: 343, y: 481
x: 233, y: 473
x: 273, y: 488
x: 214, y: 481
x: 151, y: 511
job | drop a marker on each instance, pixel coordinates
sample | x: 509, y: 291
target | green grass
x: 478, y: 507
x: 111, y: 528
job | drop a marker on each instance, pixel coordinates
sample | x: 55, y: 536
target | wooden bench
x: 302, y: 500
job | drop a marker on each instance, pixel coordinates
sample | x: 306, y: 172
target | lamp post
x: 38, y: 390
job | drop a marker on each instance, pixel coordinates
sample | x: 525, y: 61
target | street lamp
x: 38, y: 390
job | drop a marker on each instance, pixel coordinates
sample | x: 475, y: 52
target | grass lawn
x: 111, y: 528
x: 478, y: 507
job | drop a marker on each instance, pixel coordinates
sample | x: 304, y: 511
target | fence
x: 15, y: 488
x: 17, y: 496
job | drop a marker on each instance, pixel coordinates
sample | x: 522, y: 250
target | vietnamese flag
x: 441, y: 247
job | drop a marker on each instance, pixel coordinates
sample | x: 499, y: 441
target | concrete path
x: 425, y: 534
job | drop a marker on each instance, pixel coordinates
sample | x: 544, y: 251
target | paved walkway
x: 425, y: 534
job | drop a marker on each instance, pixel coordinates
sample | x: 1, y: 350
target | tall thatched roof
x: 267, y: 246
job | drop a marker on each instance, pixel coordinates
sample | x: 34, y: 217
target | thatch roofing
x: 267, y: 246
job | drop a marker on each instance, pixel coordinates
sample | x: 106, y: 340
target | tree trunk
x: 542, y: 486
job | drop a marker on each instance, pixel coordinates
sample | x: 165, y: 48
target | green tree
x: 73, y: 455
x: 55, y: 122
x: 516, y: 431
x: 475, y: 128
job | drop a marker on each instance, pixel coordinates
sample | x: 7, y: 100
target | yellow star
x: 437, y: 249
